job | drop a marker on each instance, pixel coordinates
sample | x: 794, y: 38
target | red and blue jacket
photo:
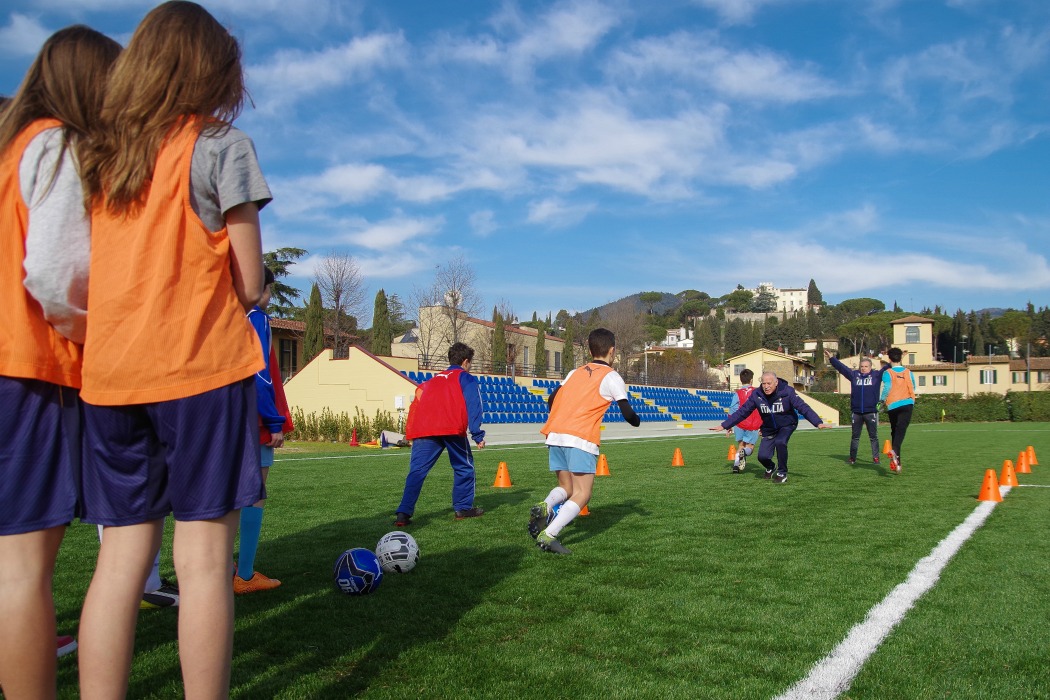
x: 447, y: 404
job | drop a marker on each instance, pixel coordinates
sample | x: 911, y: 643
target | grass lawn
x: 684, y: 583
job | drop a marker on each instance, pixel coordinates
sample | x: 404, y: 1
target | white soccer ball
x: 397, y: 552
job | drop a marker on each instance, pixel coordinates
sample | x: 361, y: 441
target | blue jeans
x: 425, y: 453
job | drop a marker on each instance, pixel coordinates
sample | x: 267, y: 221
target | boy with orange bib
x: 898, y: 395
x: 573, y: 433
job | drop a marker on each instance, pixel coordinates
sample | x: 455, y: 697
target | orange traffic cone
x: 502, y: 477
x: 603, y: 467
x: 677, y: 460
x: 1032, y: 461
x: 1022, y: 463
x: 1008, y: 478
x: 732, y: 453
x: 887, y: 447
x: 353, y: 438
x: 990, y: 488
x: 585, y: 511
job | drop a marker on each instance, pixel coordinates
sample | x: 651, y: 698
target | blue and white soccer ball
x: 357, y: 571
x: 397, y: 551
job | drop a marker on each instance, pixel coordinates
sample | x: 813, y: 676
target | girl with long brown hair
x: 169, y: 361
x: 44, y: 248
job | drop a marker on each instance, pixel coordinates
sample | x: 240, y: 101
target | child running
x: 573, y: 433
x: 746, y: 431
x: 43, y: 280
x: 170, y: 420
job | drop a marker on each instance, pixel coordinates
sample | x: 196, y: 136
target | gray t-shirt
x: 224, y: 173
x: 58, y: 237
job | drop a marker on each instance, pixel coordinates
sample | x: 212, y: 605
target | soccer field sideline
x: 832, y: 675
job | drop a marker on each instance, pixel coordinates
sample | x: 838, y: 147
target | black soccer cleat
x: 539, y: 515
x: 402, y: 519
x: 550, y: 544
x: 474, y: 512
x: 780, y: 478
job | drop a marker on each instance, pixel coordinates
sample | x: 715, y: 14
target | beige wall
x: 360, y: 381
x: 787, y: 367
x: 921, y: 350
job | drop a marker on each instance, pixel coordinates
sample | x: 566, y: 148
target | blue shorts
x: 265, y: 456
x: 195, y: 457
x: 748, y: 436
x: 39, y: 455
x: 572, y: 459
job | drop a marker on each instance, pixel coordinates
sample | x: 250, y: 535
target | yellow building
x: 998, y: 374
x: 797, y: 371
x: 361, y: 381
x: 439, y: 327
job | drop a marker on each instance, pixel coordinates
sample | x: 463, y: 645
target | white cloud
x: 737, y: 11
x: 753, y: 74
x: 22, y: 36
x: 393, y: 233
x: 292, y: 74
x: 483, y: 222
x: 555, y: 212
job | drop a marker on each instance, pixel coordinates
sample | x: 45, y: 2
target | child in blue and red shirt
x: 445, y: 410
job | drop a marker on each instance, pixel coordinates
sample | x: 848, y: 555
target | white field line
x: 1035, y: 486
x: 833, y: 674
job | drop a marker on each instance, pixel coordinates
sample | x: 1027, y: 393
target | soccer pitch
x: 687, y: 582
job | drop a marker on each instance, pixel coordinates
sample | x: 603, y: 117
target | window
x: 988, y: 376
x: 911, y: 334
x: 557, y: 361
x: 1044, y: 376
x: 1019, y: 377
x: 911, y: 358
x: 737, y: 369
x: 922, y: 380
x: 288, y: 357
x: 940, y: 380
x: 547, y: 358
x: 525, y: 356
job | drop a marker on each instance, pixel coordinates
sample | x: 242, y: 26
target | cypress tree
x: 382, y: 331
x: 568, y: 356
x: 499, y: 344
x: 541, y: 351
x: 313, y: 338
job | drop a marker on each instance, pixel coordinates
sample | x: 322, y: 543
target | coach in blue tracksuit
x: 777, y: 402
x: 866, y: 385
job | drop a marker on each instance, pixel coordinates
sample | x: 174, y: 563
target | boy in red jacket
x: 446, y: 408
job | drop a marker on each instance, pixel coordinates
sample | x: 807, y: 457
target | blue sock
x: 251, y: 526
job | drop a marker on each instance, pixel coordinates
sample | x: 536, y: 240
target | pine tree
x: 541, y: 351
x: 382, y: 332
x: 313, y: 338
x: 813, y: 295
x: 499, y: 344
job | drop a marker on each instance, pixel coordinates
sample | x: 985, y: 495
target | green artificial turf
x: 686, y: 582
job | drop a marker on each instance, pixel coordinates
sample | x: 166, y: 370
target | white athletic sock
x: 556, y: 496
x: 568, y: 511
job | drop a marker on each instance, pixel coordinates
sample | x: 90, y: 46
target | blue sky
x: 575, y: 152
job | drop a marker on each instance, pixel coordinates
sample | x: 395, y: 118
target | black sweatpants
x: 899, y: 420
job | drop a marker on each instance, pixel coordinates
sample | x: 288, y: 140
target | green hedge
x: 330, y: 427
x: 953, y: 408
